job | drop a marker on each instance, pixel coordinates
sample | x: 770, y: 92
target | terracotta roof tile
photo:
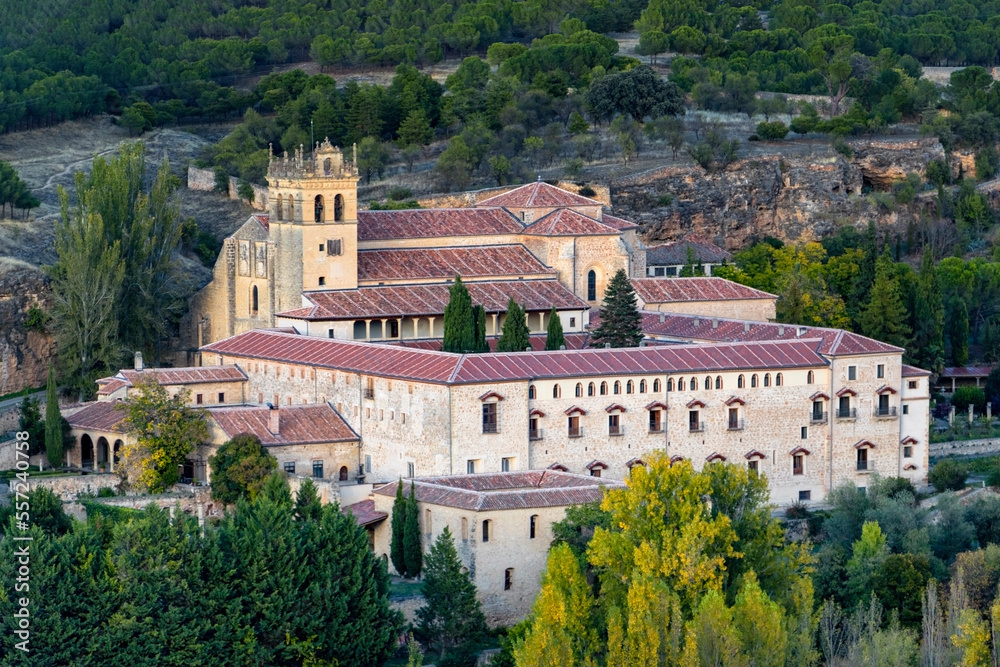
x: 567, y: 222
x: 506, y: 491
x: 98, y: 416
x: 364, y: 512
x: 297, y: 424
x: 667, y: 290
x: 617, y: 223
x: 263, y: 219
x: 415, y: 300
x: 675, y: 252
x: 966, y: 371
x: 415, y: 264
x: 574, y: 341
x: 175, y: 376
x: 539, y: 195
x: 913, y: 371
x: 110, y: 385
x: 426, y: 223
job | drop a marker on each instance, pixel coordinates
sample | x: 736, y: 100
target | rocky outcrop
x: 24, y: 353
x: 795, y: 198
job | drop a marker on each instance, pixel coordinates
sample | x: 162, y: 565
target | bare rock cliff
x: 24, y: 354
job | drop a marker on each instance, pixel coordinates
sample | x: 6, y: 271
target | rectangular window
x: 532, y: 526
x: 863, y: 459
x: 333, y: 247
x: 805, y: 495
x: 318, y: 469
x: 533, y: 432
x: 289, y: 467
x: 671, y: 270
x: 804, y: 432
x: 470, y: 467
x: 734, y: 419
x: 575, y: 430
x: 752, y: 466
x: 508, y: 578
x: 659, y: 271
x: 490, y: 418
x: 883, y: 404
x: 655, y: 421
x: 906, y: 409
x: 322, y: 281
x: 844, y: 409
x: 329, y: 333
x: 322, y: 247
x: 614, y: 425
x: 797, y: 463
x: 222, y: 397
x: 410, y: 472
x: 368, y: 463
x: 907, y: 452
x: 911, y: 384
x: 572, y: 322
x: 198, y: 399
x: 852, y: 372
x: 486, y: 531
x: 506, y: 464
x: 694, y: 423
x: 817, y: 415
x: 880, y: 371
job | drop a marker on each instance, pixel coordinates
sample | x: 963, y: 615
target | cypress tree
x: 307, y: 504
x: 53, y: 423
x: 621, y: 323
x: 459, y: 327
x: 411, y: 536
x: 927, y: 349
x: 883, y: 317
x: 514, y: 336
x: 396, y: 548
x: 958, y: 331
x: 479, y: 317
x: 554, y: 332
x: 866, y: 273
x: 452, y: 617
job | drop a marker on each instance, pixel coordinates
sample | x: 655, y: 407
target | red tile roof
x: 297, y: 424
x: 567, y: 222
x: 675, y: 252
x: 426, y: 223
x: 574, y: 341
x: 667, y: 290
x: 263, y: 219
x: 683, y: 328
x: 441, y: 367
x: 99, y: 416
x: 110, y: 385
x: 505, y: 491
x: 913, y: 371
x: 364, y: 512
x: 539, y: 195
x: 175, y: 376
x: 617, y: 223
x: 416, y: 264
x: 416, y: 300
x: 966, y: 371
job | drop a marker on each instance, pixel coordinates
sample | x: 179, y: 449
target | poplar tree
x: 883, y: 317
x: 621, y: 322
x: 53, y: 422
x: 554, y: 338
x: 927, y: 349
x: 396, y: 547
x: 452, y: 617
x: 459, y: 326
x: 514, y: 336
x: 412, y: 553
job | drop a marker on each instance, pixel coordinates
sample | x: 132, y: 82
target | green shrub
x: 587, y: 191
x: 36, y: 319
x: 664, y: 200
x: 841, y: 147
x: 966, y: 396
x: 398, y: 193
x: 773, y: 131
x: 947, y: 475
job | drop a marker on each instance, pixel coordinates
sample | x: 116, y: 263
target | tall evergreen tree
x: 621, y: 323
x: 307, y: 504
x: 459, y: 326
x: 958, y: 331
x: 514, y: 335
x: 412, y: 550
x: 883, y: 316
x: 479, y: 317
x: 554, y: 338
x: 452, y: 617
x: 239, y: 468
x: 397, y: 545
x: 53, y: 423
x: 866, y: 273
x: 927, y: 349
x: 30, y: 421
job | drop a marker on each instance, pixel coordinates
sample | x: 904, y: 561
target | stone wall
x: 204, y: 179
x: 979, y: 447
x: 69, y: 487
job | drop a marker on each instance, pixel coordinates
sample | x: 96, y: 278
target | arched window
x: 767, y: 379
x: 326, y: 167
x: 670, y: 384
x: 694, y: 384
x: 590, y: 389
x: 254, y: 301
x: 556, y: 392
x: 591, y: 285
x: 343, y: 473
x: 278, y: 208
x: 318, y: 208
x: 465, y: 528
x: 656, y: 386
x: 486, y: 530
x: 291, y: 208
x: 777, y: 380
x: 810, y: 378
x: 531, y: 392
x: 338, y: 208
x: 753, y: 380
x: 579, y: 389
x: 680, y: 384
x: 642, y: 386
x: 532, y: 526
x: 718, y: 382
x: 740, y: 382
x: 629, y: 387
x: 618, y: 387
x: 708, y: 382
x: 604, y: 389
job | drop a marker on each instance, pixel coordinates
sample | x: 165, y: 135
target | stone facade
x: 760, y: 310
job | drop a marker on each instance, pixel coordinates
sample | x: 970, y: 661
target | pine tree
x: 452, y: 617
x: 412, y: 550
x: 621, y: 323
x: 459, y: 327
x: 396, y: 547
x: 307, y: 504
x: 479, y: 317
x: 883, y: 317
x: 30, y: 421
x: 866, y: 273
x: 554, y: 338
x: 927, y: 349
x: 514, y: 335
x: 53, y: 423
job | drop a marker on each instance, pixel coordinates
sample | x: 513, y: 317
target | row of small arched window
x: 694, y: 384
x: 318, y: 206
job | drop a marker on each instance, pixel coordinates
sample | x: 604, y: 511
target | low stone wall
x: 69, y: 487
x: 204, y: 179
x: 327, y: 489
x: 981, y: 447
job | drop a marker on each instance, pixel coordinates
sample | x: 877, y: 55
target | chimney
x: 802, y: 332
x: 562, y: 347
x: 663, y: 318
x: 138, y: 361
x: 781, y: 330
x: 715, y: 322
x: 697, y: 321
x: 746, y: 327
x: 273, y: 425
x: 607, y: 346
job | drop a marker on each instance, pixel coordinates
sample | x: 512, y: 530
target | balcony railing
x: 889, y: 412
x: 616, y: 430
x: 576, y: 432
x: 864, y: 466
x: 735, y: 425
x: 535, y: 434
x: 797, y: 470
x: 491, y: 427
x: 818, y: 418
x: 656, y: 428
x: 696, y: 427
x: 850, y: 413
x: 369, y: 392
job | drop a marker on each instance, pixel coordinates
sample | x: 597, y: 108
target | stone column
x: 951, y: 416
x: 432, y: 326
x: 368, y: 329
x: 399, y: 328
x: 385, y: 335
x: 495, y: 317
x: 971, y: 416
x: 989, y: 411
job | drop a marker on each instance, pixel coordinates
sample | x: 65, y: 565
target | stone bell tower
x: 313, y: 222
